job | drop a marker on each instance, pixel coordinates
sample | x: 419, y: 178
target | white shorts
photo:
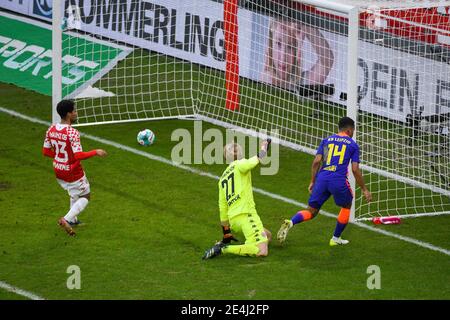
x: 77, y: 188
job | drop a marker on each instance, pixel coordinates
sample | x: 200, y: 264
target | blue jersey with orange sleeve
x: 337, y: 151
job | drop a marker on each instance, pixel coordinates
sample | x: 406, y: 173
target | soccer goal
x: 291, y: 66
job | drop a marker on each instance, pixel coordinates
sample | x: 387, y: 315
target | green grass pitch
x: 148, y: 224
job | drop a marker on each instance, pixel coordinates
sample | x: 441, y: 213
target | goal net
x: 290, y: 66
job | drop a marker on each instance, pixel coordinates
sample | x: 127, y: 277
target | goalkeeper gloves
x: 227, y: 235
x: 264, y: 148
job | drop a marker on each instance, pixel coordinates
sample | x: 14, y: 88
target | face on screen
x: 284, y: 49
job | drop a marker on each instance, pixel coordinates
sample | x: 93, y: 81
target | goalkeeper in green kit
x: 237, y: 207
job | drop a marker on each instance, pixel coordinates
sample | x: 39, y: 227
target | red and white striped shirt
x: 62, y: 142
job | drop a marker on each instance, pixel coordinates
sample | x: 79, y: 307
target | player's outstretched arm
x: 90, y: 154
x: 360, y: 181
x: 245, y: 165
x: 264, y: 148
x: 101, y: 153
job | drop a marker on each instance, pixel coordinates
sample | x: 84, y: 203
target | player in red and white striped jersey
x: 62, y: 144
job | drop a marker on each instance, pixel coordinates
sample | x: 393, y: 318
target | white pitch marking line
x: 18, y: 291
x: 206, y: 174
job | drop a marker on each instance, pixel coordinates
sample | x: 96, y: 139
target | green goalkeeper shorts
x: 251, y: 226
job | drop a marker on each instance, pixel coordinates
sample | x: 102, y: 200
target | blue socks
x: 339, y: 228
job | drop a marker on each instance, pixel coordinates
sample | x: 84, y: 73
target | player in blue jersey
x: 332, y: 158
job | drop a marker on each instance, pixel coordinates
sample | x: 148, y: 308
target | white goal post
x: 56, y: 58
x: 291, y: 66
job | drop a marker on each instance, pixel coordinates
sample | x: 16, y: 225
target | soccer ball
x: 146, y: 137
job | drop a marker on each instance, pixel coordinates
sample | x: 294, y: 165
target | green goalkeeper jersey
x: 235, y: 189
